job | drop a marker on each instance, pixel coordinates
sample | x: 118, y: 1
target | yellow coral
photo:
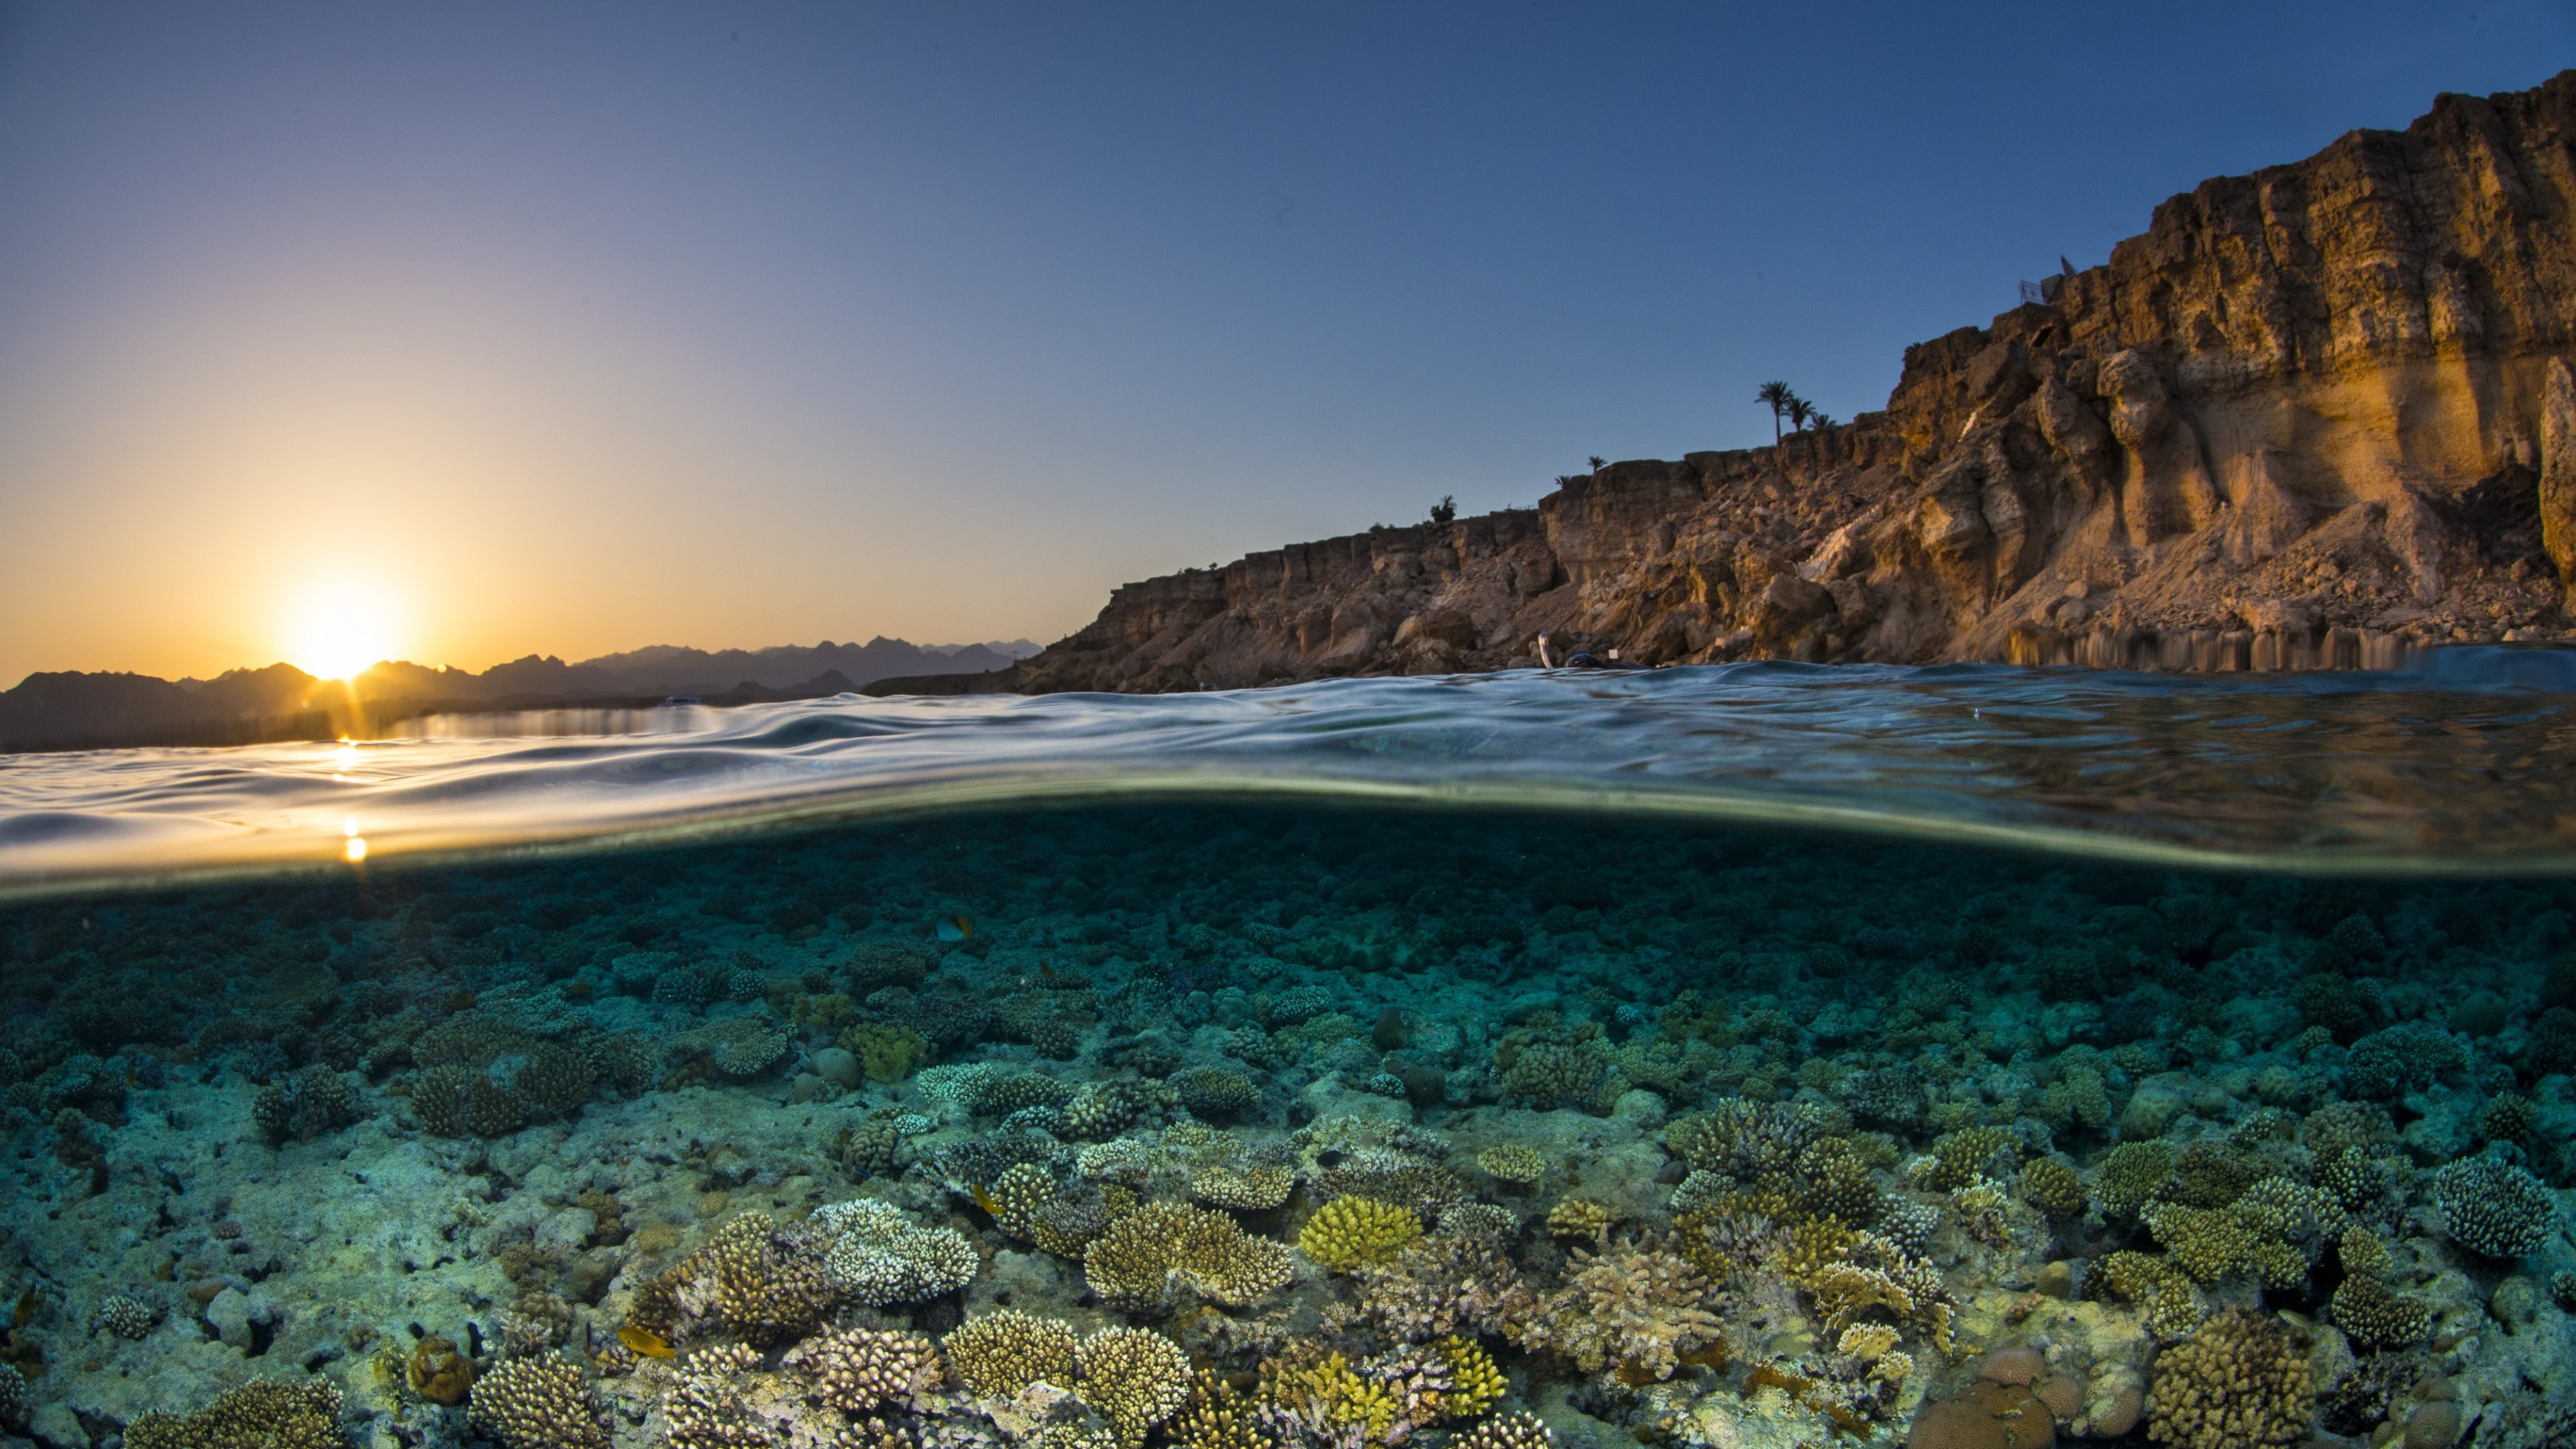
x: 1867, y: 1341
x: 1326, y: 1394
x: 1477, y: 1380
x: 1352, y: 1232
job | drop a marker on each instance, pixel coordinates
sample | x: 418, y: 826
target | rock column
x: 2558, y: 475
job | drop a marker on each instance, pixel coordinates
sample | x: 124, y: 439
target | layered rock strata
x: 2314, y: 416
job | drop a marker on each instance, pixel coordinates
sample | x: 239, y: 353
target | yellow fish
x: 985, y: 1201
x: 956, y: 928
x: 648, y: 1344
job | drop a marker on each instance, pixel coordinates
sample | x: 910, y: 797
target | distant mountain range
x: 72, y: 710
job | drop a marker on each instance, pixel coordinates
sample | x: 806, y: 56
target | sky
x: 466, y: 331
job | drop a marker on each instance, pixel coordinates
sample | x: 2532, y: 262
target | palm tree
x: 1801, y: 412
x: 1775, y: 396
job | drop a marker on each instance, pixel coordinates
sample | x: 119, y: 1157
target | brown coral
x: 1635, y: 1310
x: 2240, y: 1382
x: 1149, y: 1254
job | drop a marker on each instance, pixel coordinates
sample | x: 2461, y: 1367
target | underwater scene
x: 1937, y: 1057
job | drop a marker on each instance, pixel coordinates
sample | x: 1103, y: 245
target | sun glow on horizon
x: 337, y: 628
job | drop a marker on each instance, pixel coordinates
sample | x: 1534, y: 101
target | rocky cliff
x: 2313, y: 416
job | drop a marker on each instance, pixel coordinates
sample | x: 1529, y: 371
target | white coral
x: 877, y: 1257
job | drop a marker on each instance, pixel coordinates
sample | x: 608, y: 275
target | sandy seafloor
x: 1236, y: 1128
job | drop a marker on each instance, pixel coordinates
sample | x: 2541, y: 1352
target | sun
x: 336, y: 628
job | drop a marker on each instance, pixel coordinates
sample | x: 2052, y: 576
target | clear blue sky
x: 575, y: 328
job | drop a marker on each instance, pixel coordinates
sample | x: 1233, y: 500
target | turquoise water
x: 1762, y: 1055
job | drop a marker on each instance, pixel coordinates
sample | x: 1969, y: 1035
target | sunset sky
x: 478, y: 330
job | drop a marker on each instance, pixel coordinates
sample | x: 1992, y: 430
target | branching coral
x: 2493, y: 1209
x: 2129, y: 1176
x: 2366, y: 1309
x: 1214, y: 1092
x: 1245, y: 1189
x: 754, y: 1278
x: 1637, y: 1311
x: 876, y: 1257
x: 1147, y: 1254
x: 1134, y: 1378
x: 1507, y: 1431
x: 538, y: 1403
x: 1516, y: 1163
x: 2240, y: 1382
x: 125, y: 1317
x: 2145, y: 1279
x: 1313, y: 1396
x: 2052, y: 1187
x: 454, y: 1101
x: 304, y: 1105
x: 741, y: 1046
x: 258, y: 1415
x: 1448, y: 1283
x: 1969, y: 1153
x: 855, y: 1370
x: 1862, y: 1277
x: 887, y: 1053
x: 1351, y: 1231
x: 1002, y: 1353
x: 2209, y: 1244
x: 1747, y: 1140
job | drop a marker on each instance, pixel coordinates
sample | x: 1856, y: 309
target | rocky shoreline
x: 2318, y: 416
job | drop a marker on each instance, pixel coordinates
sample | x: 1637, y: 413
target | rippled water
x: 2467, y: 764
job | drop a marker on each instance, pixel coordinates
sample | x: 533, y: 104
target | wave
x: 2464, y: 764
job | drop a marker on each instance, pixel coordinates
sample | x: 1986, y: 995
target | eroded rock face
x: 2312, y: 416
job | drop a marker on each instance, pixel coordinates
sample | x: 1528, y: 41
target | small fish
x: 956, y: 928
x: 985, y: 1201
x: 651, y: 1345
x: 25, y: 1313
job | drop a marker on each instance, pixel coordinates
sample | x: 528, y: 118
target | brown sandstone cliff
x: 2312, y: 416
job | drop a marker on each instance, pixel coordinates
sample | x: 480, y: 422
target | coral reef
x: 1693, y: 1138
